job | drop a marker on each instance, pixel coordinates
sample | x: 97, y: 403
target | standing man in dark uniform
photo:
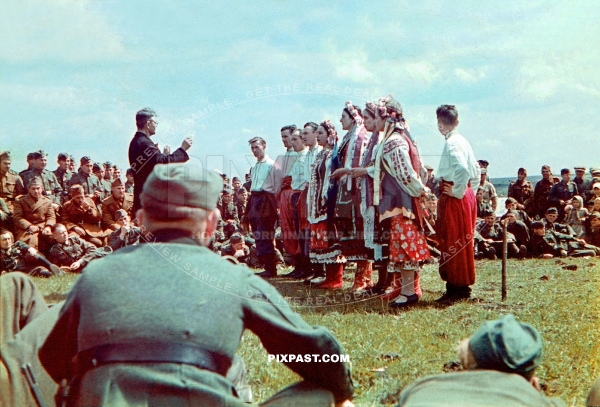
x: 144, y: 154
x: 562, y: 193
x: 63, y: 174
x: 521, y: 190
x: 542, y: 192
x: 186, y: 311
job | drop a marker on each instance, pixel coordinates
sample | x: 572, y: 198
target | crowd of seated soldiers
x: 62, y: 218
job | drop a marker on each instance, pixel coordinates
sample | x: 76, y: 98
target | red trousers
x: 288, y: 229
x: 454, y: 232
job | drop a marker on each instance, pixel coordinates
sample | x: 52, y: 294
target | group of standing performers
x: 361, y: 199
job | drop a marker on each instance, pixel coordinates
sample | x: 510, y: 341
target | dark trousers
x: 263, y: 217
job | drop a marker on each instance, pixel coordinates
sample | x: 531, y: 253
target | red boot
x: 333, y: 280
x: 363, y: 277
x: 418, y: 290
x: 395, y: 287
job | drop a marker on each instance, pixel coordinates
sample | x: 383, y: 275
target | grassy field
x: 390, y: 349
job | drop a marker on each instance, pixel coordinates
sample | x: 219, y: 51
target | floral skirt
x: 407, y: 242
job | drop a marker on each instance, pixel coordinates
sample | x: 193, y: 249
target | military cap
x: 513, y: 212
x: 565, y: 171
x: 4, y: 155
x: 510, y: 200
x: 483, y: 163
x: 234, y: 179
x: 108, y: 164
x: 120, y: 214
x: 172, y: 189
x: 85, y: 160
x: 536, y: 224
x: 241, y: 190
x: 428, y: 167
x: 579, y: 168
x: 596, y: 185
x: 595, y: 215
x: 116, y: 183
x: 594, y: 170
x: 236, y: 238
x: 489, y: 212
x: 62, y: 156
x: 507, y: 345
x: 38, y: 154
x: 227, y: 191
x: 36, y: 182
x: 552, y: 210
x: 96, y: 168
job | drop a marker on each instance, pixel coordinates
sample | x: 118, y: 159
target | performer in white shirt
x: 286, y: 212
x: 457, y: 208
x: 262, y: 212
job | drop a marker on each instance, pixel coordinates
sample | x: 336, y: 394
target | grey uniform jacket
x: 177, y: 291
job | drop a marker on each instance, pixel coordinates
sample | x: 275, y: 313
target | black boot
x: 318, y: 274
x: 383, y: 277
x: 270, y: 261
x: 300, y: 268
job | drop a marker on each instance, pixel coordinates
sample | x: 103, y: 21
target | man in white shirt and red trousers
x: 457, y: 209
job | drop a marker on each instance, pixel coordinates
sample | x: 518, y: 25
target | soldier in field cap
x: 500, y: 361
x: 186, y: 310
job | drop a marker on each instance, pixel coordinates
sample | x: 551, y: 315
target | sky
x: 524, y: 75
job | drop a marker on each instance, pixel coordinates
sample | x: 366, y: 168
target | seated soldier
x: 127, y: 234
x: 119, y: 199
x: 483, y: 250
x: 72, y: 251
x: 518, y: 229
x: 522, y: 216
x: 236, y: 248
x: 82, y: 218
x: 499, y: 363
x: 18, y: 256
x: 130, y: 181
x: 482, y: 206
x: 593, y: 234
x: 104, y: 187
x: 547, y: 243
x: 492, y: 235
x: 33, y: 216
x: 229, y: 213
x: 550, y: 222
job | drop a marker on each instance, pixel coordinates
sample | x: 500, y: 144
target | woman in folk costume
x: 398, y: 189
x: 348, y: 219
x: 377, y: 253
x: 324, y: 248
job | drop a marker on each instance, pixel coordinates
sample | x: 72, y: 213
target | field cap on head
x: 116, y: 183
x: 85, y: 160
x: 507, y: 345
x: 428, y: 167
x: 552, y: 210
x: 236, y: 238
x: 170, y: 188
x: 36, y: 182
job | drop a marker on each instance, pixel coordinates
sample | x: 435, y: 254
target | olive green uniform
x: 175, y: 291
x: 52, y: 188
x: 12, y: 187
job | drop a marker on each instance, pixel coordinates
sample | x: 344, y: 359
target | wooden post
x: 504, y: 254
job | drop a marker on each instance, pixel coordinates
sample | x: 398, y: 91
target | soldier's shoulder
x: 108, y: 200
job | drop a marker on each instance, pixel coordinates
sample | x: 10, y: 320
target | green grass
x: 390, y: 349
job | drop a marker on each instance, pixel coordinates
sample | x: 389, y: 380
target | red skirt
x: 407, y: 242
x: 454, y: 232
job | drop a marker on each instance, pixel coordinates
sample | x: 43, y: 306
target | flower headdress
x: 371, y: 107
x: 332, y: 135
x: 390, y: 109
x: 354, y: 113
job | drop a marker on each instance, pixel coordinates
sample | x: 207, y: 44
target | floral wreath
x: 332, y: 135
x: 389, y: 112
x: 355, y: 115
x: 371, y: 107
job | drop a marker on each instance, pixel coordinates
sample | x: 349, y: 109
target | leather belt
x: 150, y: 352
